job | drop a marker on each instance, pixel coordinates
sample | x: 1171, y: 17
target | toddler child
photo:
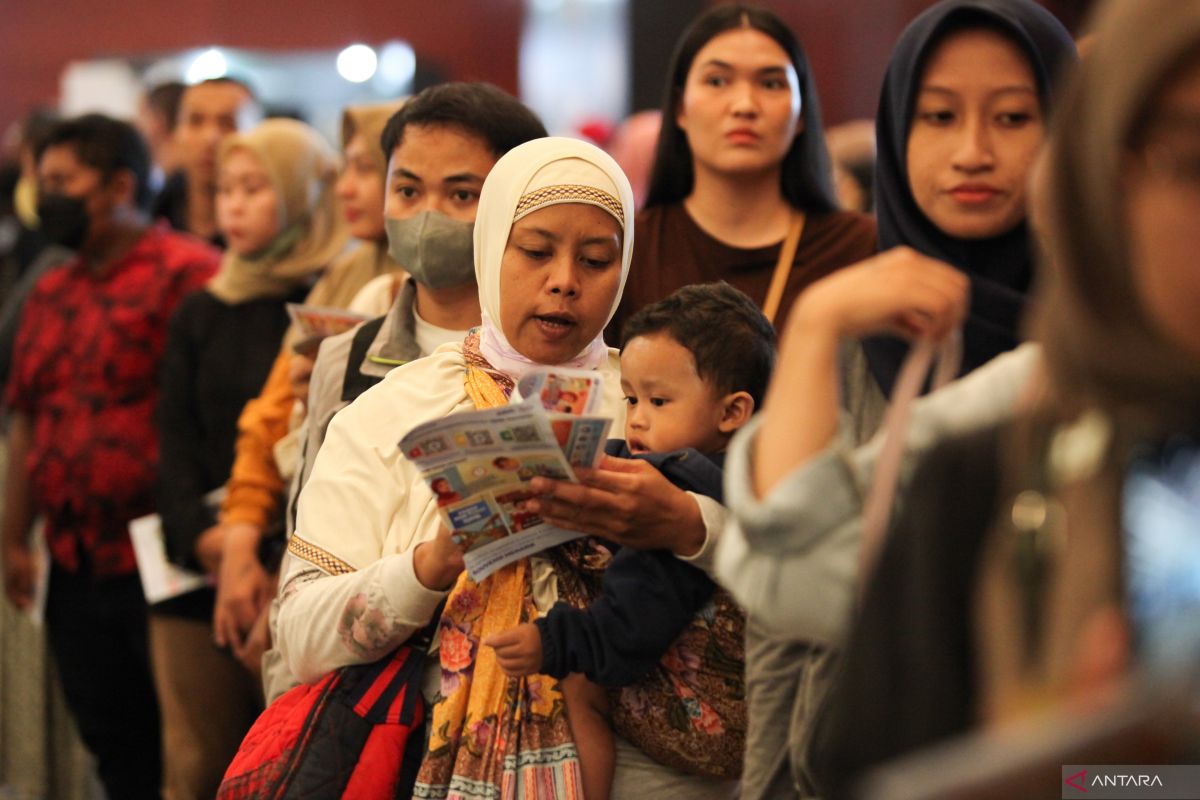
x: 694, y: 368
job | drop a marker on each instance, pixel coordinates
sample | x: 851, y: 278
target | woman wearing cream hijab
x: 370, y: 562
x: 277, y: 210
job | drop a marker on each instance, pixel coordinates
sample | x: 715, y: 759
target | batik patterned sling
x: 493, y: 736
x: 689, y: 712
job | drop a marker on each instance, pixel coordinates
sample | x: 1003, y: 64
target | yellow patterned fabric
x: 493, y: 736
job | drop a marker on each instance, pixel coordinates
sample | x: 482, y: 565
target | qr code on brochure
x: 437, y: 444
x: 524, y: 433
x: 479, y: 438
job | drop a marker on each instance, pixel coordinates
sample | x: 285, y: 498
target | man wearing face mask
x: 440, y: 148
x: 82, y: 444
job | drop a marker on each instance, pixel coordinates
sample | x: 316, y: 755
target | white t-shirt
x: 431, y: 337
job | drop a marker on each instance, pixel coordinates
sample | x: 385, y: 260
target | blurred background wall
x: 572, y: 60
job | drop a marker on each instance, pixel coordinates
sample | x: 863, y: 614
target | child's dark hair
x: 728, y: 336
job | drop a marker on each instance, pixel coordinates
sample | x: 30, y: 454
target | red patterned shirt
x: 85, y: 373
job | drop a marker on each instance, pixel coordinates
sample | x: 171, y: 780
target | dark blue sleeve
x: 648, y: 599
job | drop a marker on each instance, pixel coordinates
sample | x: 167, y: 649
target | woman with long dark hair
x: 741, y: 189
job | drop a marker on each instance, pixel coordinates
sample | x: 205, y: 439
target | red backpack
x: 358, y: 732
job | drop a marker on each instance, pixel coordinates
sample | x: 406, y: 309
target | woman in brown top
x: 741, y: 162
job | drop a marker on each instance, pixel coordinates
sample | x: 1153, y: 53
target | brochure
x: 315, y: 323
x: 161, y: 580
x: 479, y: 464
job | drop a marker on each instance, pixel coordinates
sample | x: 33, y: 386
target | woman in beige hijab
x: 1107, y: 515
x: 360, y: 188
x: 1037, y: 562
x: 277, y: 210
x: 268, y: 442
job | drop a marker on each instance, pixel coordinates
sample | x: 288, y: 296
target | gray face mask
x: 437, y: 251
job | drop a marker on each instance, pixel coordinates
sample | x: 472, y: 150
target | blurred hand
x: 208, y: 548
x: 257, y: 641
x: 899, y: 291
x: 627, y: 501
x: 438, y: 562
x: 299, y: 372
x: 20, y: 574
x: 518, y: 651
x: 244, y: 588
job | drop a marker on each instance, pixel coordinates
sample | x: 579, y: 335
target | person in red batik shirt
x: 82, y: 445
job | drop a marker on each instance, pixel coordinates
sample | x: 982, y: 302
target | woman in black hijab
x: 961, y: 219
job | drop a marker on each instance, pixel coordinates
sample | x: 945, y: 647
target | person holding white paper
x: 370, y: 562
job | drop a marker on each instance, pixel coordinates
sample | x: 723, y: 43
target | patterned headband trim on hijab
x: 530, y: 176
x: 570, y: 193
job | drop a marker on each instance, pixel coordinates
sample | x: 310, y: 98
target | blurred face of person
x: 1162, y: 201
x: 558, y: 277
x: 740, y: 107
x: 976, y: 129
x: 208, y: 112
x: 670, y: 406
x: 155, y: 129
x: 360, y: 188
x: 248, y: 208
x: 437, y: 168
x: 93, y: 199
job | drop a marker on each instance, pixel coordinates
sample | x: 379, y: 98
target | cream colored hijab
x: 302, y: 168
x: 531, y: 176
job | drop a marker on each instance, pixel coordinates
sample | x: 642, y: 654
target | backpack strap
x: 389, y: 690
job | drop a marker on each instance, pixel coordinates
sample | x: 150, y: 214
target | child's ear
x: 737, y: 408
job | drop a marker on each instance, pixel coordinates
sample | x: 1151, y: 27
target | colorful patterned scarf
x: 493, y: 736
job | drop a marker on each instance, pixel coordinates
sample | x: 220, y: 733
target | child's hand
x: 518, y: 651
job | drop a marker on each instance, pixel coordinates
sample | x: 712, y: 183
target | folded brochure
x: 479, y: 464
x: 315, y: 323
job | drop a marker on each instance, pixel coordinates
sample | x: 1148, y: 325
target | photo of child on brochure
x: 563, y: 391
x: 566, y: 395
x: 473, y: 476
x: 481, y: 521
